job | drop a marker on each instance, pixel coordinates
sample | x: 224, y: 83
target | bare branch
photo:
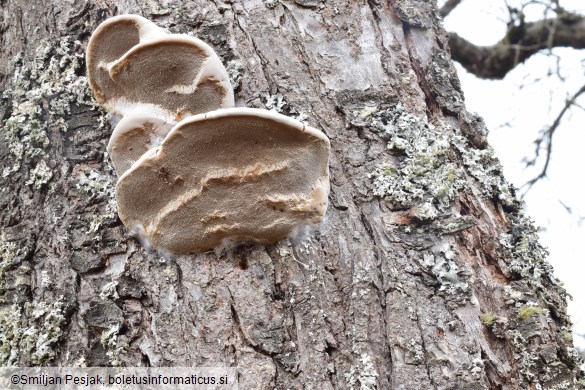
x: 546, y: 137
x: 521, y: 42
x: 449, y: 6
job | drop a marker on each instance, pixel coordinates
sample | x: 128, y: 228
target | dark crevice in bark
x: 416, y: 66
x: 181, y: 293
x: 73, y: 19
x: 385, y: 54
x: 425, y: 352
x: 145, y: 360
x: 238, y: 327
x: 180, y: 285
x: 378, y: 276
x: 21, y: 24
x: 263, y: 61
x: 297, y: 45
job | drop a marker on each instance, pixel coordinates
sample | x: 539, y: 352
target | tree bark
x: 424, y: 275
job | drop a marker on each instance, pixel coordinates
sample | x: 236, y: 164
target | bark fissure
x: 299, y: 47
x: 263, y: 61
x: 386, y: 55
x: 416, y: 66
x: 250, y: 342
x: 426, y: 353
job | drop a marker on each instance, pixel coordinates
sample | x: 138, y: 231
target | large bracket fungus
x: 191, y: 182
x: 239, y: 174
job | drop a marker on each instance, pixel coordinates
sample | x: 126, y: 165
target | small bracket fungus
x: 133, y: 136
x: 131, y: 61
x: 225, y: 175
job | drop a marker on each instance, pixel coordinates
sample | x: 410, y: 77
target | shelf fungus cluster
x: 195, y: 172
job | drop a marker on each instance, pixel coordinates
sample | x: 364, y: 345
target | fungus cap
x: 131, y: 61
x: 134, y: 135
x: 110, y: 41
x: 237, y: 174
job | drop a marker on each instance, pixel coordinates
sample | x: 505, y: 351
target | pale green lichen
x: 50, y: 77
x: 283, y: 252
x: 362, y: 375
x: 415, y: 351
x: 367, y: 112
x: 10, y: 335
x: 28, y: 333
x: 533, y: 366
x: 454, y: 224
x: 526, y: 256
x: 98, y: 186
x: 567, y: 335
x: 488, y: 319
x: 483, y: 165
x: 279, y: 104
x: 477, y: 368
x: 235, y: 70
x: 109, y: 291
x: 525, y: 358
x: 525, y: 259
x: 46, y: 280
x: 451, y: 277
x: 425, y: 172
x: 512, y: 295
x: 39, y: 175
x: 270, y: 3
x: 154, y: 8
x: 114, y: 344
x: 564, y: 385
x: 8, y: 250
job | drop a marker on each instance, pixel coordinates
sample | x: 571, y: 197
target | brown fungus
x: 133, y: 136
x: 131, y: 61
x: 238, y: 174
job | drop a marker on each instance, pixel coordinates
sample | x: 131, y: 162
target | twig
x: 547, y: 138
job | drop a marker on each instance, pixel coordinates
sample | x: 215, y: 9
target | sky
x: 516, y: 109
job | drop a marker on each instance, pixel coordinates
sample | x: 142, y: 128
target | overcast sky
x: 515, y: 110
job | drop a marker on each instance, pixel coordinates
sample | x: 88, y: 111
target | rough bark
x: 425, y: 274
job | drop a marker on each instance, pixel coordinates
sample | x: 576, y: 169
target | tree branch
x: 521, y: 42
x: 449, y: 6
x: 546, y: 137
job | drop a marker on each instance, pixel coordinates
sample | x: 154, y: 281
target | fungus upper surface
x: 236, y: 174
x: 132, y: 61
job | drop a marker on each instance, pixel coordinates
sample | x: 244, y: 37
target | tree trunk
x: 424, y: 275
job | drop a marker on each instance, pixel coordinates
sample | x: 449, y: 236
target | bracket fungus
x: 133, y: 136
x: 189, y: 182
x: 234, y: 174
x: 131, y: 61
